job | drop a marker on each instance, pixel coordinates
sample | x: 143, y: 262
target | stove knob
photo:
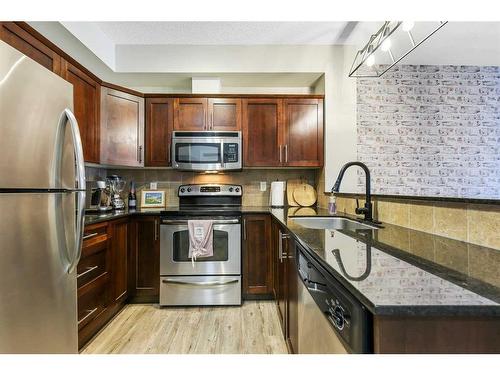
x: 189, y: 190
x: 231, y: 189
x: 237, y: 190
x: 183, y: 190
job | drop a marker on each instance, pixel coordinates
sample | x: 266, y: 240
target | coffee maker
x: 116, y: 185
x: 98, y: 197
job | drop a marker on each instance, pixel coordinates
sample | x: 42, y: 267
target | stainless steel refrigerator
x: 42, y: 182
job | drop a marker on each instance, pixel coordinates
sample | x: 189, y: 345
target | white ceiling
x: 236, y: 33
x: 460, y: 43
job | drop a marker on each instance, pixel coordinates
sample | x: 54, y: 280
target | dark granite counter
x: 393, y: 270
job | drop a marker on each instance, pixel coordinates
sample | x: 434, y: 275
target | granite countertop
x: 389, y: 269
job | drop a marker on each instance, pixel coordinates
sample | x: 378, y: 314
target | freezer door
x: 34, y: 108
x: 38, y: 251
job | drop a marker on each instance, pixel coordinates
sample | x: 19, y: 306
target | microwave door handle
x: 222, y: 154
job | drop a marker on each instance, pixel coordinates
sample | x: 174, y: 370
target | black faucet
x: 367, y: 209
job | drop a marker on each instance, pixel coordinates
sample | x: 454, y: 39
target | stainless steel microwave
x: 206, y: 151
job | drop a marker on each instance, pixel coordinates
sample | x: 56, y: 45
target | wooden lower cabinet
x: 144, y: 255
x: 257, y: 270
x: 292, y: 300
x: 119, y: 254
x: 101, y: 276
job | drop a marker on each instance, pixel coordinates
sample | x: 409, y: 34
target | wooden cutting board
x: 290, y: 187
x: 305, y: 195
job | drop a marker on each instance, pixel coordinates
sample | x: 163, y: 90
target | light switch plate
x: 263, y: 186
x: 153, y: 185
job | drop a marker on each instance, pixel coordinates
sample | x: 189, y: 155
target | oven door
x: 174, y: 245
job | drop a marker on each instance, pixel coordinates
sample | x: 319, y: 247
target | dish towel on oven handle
x: 201, y: 239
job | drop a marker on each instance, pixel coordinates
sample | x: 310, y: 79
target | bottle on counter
x: 132, y: 199
x: 332, y: 205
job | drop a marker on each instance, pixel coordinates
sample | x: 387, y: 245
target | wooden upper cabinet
x: 159, y: 125
x: 190, y: 114
x: 224, y: 114
x: 303, y: 136
x: 122, y: 128
x: 86, y: 102
x: 17, y: 37
x: 262, y: 132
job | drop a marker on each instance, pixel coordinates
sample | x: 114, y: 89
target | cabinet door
x: 119, y: 251
x: 122, y: 128
x: 22, y: 40
x: 144, y: 275
x: 257, y: 256
x: 292, y: 297
x: 303, y: 143
x: 262, y: 132
x: 280, y: 275
x: 190, y: 114
x: 86, y: 102
x: 159, y: 125
x: 224, y: 114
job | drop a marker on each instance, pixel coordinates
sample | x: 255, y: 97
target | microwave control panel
x: 230, y: 152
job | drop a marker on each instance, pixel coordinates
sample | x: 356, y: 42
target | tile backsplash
x: 169, y: 180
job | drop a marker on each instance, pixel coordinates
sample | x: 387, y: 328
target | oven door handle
x: 199, y: 283
x: 184, y: 222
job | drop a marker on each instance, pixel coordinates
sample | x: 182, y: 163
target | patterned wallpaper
x: 427, y: 130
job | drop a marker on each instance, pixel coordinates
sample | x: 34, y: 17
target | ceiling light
x: 370, y: 60
x: 407, y: 25
x: 405, y: 42
x: 386, y: 45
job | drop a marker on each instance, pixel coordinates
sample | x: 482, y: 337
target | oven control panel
x: 210, y: 190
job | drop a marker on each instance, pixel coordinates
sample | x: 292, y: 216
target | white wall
x: 134, y: 62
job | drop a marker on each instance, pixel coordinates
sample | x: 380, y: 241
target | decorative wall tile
x: 428, y: 130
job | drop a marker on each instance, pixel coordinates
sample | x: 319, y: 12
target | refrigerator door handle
x: 68, y: 117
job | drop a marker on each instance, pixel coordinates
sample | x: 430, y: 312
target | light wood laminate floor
x: 137, y: 329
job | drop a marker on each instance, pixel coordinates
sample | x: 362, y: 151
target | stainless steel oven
x: 206, y: 151
x: 174, y: 237
x: 214, y: 280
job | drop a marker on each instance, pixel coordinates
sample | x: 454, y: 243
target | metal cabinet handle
x: 89, y: 269
x: 87, y: 236
x: 286, y: 153
x: 212, y: 120
x: 280, y: 247
x: 140, y: 154
x: 89, y: 314
x: 199, y: 283
x: 245, y: 229
x: 280, y: 154
x: 283, y: 236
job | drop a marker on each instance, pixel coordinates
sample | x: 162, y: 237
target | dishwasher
x: 331, y: 319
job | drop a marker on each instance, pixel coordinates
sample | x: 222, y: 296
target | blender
x: 116, y: 186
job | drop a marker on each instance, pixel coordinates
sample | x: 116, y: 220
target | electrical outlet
x: 263, y: 186
x: 153, y: 185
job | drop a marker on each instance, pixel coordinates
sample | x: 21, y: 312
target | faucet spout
x: 367, y: 210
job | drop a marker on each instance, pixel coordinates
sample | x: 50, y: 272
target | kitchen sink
x: 332, y: 223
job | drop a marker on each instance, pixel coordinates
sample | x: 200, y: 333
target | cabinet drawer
x: 95, y: 239
x: 91, y: 267
x: 92, y: 303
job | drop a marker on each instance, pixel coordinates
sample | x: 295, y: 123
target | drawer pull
x: 89, y: 269
x: 199, y: 283
x: 90, y: 312
x: 87, y: 236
